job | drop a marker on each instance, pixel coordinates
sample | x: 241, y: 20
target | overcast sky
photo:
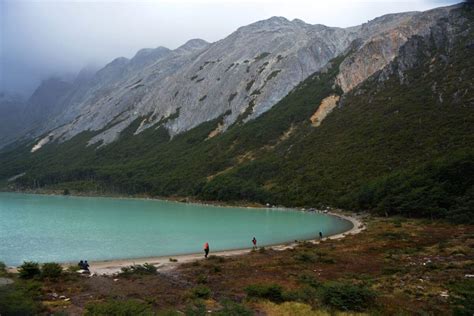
x: 43, y: 38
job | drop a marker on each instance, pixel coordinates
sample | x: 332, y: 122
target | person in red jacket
x: 254, y: 241
x: 206, y: 249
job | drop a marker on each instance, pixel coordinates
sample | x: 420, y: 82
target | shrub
x: 115, y: 307
x: 201, y: 291
x: 463, y: 298
x: 145, y: 269
x: 272, y: 292
x: 3, y: 267
x: 51, y: 270
x: 20, y: 299
x: 305, y: 257
x: 347, y: 296
x: 201, y: 279
x: 197, y: 308
x: 29, y: 270
x: 73, y: 268
x: 233, y: 309
x: 308, y: 279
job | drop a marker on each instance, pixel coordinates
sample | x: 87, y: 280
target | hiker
x: 320, y: 235
x: 254, y: 241
x: 81, y: 264
x: 86, y: 266
x: 206, y: 249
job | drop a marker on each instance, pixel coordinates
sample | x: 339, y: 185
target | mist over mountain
x: 239, y: 77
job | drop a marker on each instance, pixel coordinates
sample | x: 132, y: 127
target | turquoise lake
x: 67, y: 229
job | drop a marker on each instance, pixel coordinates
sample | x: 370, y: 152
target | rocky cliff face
x: 384, y: 38
x: 237, y: 78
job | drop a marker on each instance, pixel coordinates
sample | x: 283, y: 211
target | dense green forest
x: 391, y: 147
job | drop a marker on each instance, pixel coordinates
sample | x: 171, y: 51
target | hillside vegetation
x: 401, y: 145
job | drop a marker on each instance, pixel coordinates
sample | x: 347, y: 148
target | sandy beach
x: 164, y: 264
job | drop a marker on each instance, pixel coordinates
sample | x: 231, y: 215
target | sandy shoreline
x: 163, y: 263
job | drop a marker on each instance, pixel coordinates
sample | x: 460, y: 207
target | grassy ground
x: 396, y: 267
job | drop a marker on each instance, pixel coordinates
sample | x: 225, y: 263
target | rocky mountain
x: 239, y: 77
x: 385, y: 125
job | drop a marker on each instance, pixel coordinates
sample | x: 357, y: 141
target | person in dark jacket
x: 254, y: 242
x: 206, y: 249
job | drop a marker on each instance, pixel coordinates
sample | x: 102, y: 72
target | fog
x: 39, y: 39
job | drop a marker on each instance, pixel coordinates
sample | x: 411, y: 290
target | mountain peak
x: 193, y: 44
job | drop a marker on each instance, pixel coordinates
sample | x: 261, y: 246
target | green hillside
x: 391, y: 147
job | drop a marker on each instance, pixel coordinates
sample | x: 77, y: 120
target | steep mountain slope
x: 399, y: 142
x: 240, y: 77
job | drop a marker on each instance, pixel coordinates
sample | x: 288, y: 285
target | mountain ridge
x: 289, y: 50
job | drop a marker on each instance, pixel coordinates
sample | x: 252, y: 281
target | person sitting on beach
x: 206, y: 249
x: 254, y: 241
x: 81, y: 264
x: 86, y: 266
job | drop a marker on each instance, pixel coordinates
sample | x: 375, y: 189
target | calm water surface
x: 64, y: 228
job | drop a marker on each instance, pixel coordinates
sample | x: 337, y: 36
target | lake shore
x: 165, y: 265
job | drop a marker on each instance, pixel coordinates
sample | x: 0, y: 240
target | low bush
x: 201, y: 279
x: 21, y: 298
x: 73, y: 268
x: 305, y: 257
x: 145, y: 269
x: 29, y: 270
x: 462, y: 299
x: 3, y: 268
x: 308, y: 279
x: 347, y: 296
x: 51, y: 270
x: 196, y: 308
x: 272, y: 292
x: 116, y: 307
x: 201, y: 291
x: 230, y: 308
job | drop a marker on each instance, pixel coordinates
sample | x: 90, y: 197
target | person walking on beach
x: 320, y: 235
x: 254, y: 241
x: 206, y: 249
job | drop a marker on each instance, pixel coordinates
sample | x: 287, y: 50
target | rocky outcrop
x: 378, y: 49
